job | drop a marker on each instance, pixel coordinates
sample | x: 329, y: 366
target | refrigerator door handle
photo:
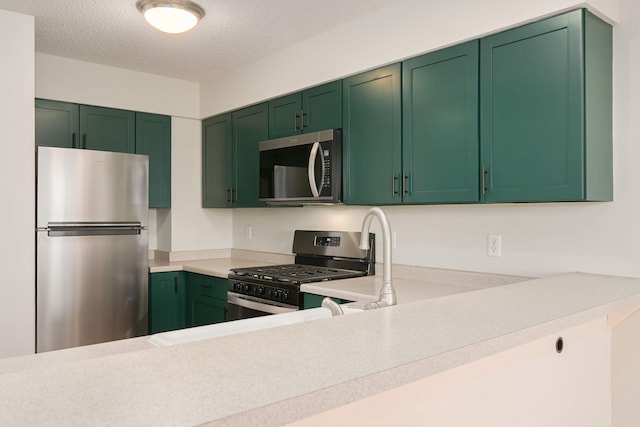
x: 60, y: 229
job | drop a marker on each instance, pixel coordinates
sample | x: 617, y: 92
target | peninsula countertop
x: 435, y: 283
x: 250, y: 379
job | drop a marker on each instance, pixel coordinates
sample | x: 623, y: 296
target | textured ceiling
x: 233, y: 32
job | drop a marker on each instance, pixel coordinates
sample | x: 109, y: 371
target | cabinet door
x: 204, y: 310
x: 531, y: 111
x: 107, y: 129
x: 57, y: 124
x: 214, y: 287
x: 315, y: 301
x: 372, y: 137
x: 322, y: 107
x: 250, y: 126
x: 153, y: 138
x: 284, y: 116
x: 166, y: 302
x: 217, y: 158
x: 206, y: 299
x: 440, y: 141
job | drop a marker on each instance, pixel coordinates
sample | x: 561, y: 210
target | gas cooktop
x: 320, y: 256
x: 294, y: 274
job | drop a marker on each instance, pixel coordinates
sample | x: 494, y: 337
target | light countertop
x: 433, y: 283
x: 274, y: 376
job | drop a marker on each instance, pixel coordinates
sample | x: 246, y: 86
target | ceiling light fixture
x: 171, y: 16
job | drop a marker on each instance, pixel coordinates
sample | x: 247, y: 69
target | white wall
x: 17, y: 166
x: 537, y: 239
x: 64, y: 79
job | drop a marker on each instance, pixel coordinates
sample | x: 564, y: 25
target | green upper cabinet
x: 153, y: 138
x: 546, y: 122
x: 249, y: 127
x: 167, y: 301
x: 440, y: 126
x: 312, y: 110
x: 107, y: 129
x: 372, y: 137
x: 57, y: 124
x: 217, y: 149
x: 63, y: 124
x: 284, y: 115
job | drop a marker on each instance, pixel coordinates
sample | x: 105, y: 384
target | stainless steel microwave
x: 302, y: 169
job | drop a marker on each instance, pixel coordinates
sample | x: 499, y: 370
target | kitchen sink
x: 245, y: 325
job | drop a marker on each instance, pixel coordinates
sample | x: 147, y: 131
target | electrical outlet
x: 248, y: 231
x: 494, y: 245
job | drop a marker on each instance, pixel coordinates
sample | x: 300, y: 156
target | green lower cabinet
x: 206, y: 300
x: 546, y: 119
x: 153, y: 138
x: 166, y: 301
x: 372, y: 137
x: 204, y: 310
x: 315, y: 301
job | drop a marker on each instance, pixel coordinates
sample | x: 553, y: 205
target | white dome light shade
x: 171, y: 16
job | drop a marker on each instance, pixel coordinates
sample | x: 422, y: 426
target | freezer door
x: 91, y: 287
x: 91, y: 186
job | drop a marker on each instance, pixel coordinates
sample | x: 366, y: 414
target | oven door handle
x: 238, y: 300
x: 311, y: 170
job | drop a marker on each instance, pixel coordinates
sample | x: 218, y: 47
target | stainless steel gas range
x: 319, y: 256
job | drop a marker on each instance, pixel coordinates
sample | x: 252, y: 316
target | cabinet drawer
x: 214, y: 287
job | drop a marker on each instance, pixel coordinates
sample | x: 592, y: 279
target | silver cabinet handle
x: 295, y: 122
x: 302, y: 120
x: 405, y: 177
x: 311, y: 170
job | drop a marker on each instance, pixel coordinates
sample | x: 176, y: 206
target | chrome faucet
x: 387, y: 293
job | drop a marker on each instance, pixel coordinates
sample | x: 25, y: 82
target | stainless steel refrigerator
x: 92, y: 247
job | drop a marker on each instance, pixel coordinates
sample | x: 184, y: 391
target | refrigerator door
x: 91, y: 285
x: 92, y: 247
x: 91, y: 186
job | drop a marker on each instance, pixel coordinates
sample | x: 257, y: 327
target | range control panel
x: 327, y: 241
x: 274, y: 293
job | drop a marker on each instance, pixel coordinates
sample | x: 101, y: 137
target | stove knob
x: 247, y: 287
x: 260, y: 290
x: 285, y: 295
x: 237, y: 287
x: 277, y: 294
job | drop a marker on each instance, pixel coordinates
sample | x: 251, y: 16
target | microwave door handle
x: 312, y: 169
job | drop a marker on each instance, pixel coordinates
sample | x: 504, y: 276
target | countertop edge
x: 316, y: 402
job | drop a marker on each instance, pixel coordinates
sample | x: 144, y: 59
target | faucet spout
x: 387, y: 293
x: 332, y: 306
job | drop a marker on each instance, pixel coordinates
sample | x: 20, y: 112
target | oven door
x: 243, y: 307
